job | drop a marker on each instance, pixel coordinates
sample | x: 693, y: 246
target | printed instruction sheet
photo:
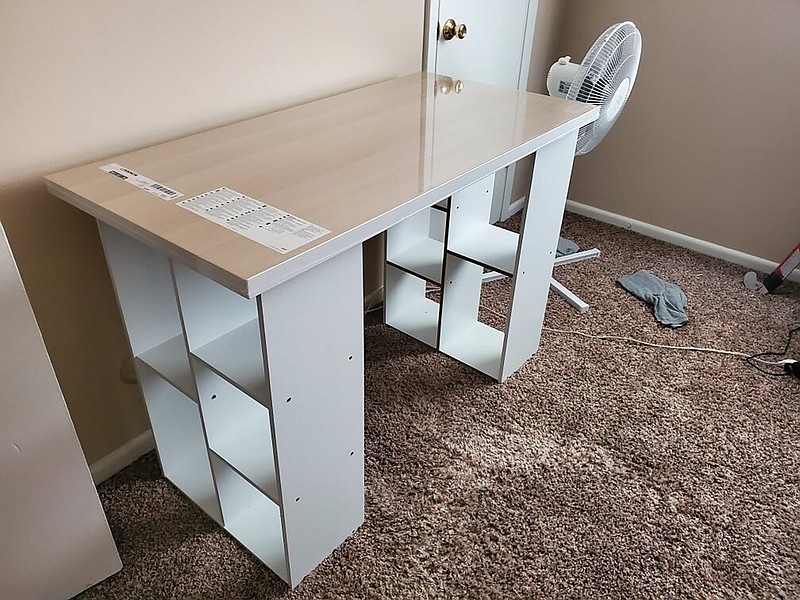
x: 253, y: 219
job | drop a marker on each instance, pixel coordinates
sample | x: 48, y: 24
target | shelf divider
x: 171, y: 361
x: 237, y: 357
x: 489, y: 246
x: 423, y: 259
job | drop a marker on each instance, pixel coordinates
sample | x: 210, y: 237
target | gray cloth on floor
x: 668, y: 300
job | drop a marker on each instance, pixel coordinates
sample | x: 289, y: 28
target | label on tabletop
x: 141, y: 181
x: 262, y: 223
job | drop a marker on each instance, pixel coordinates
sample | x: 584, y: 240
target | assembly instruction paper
x: 141, y: 181
x: 253, y: 219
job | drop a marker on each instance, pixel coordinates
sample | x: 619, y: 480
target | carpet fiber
x: 600, y: 469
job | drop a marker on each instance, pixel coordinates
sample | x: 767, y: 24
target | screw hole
x: 213, y: 396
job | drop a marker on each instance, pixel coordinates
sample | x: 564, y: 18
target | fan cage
x: 612, y: 59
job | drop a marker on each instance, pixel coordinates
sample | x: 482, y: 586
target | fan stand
x: 560, y: 289
x: 556, y: 286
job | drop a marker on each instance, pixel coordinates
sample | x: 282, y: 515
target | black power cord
x: 789, y: 368
x: 792, y: 368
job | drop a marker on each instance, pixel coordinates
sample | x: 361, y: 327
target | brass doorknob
x: 446, y: 84
x: 451, y: 29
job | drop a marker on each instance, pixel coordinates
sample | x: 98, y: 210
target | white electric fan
x: 605, y: 77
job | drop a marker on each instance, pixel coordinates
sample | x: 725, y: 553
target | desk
x: 235, y: 256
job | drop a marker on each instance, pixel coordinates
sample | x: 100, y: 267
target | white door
x: 494, y: 47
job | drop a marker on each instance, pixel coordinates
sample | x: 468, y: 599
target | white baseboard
x: 113, y: 463
x: 678, y: 239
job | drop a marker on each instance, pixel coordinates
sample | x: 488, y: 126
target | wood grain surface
x: 355, y: 164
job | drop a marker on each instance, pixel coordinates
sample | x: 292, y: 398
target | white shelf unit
x: 143, y: 283
x: 474, y: 244
x: 470, y: 245
x: 451, y: 246
x: 268, y: 445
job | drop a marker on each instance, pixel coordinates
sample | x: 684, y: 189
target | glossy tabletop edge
x: 284, y: 156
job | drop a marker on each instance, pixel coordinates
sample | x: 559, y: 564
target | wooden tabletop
x: 352, y: 164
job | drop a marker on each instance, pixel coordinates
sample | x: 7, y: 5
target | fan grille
x: 607, y: 73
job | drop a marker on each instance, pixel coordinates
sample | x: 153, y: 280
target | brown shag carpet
x: 599, y: 470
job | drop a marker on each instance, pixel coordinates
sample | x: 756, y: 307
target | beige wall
x: 707, y: 145
x: 549, y: 22
x: 85, y: 79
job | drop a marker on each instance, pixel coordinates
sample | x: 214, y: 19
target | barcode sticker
x: 262, y: 223
x: 141, y: 182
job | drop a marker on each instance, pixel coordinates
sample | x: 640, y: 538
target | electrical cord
x: 624, y: 338
x: 751, y: 359
x: 790, y: 367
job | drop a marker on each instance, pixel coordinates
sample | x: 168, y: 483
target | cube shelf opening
x: 408, y: 308
x: 178, y: 431
x: 251, y: 517
x: 239, y: 430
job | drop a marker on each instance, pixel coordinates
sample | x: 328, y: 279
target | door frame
x: 502, y: 204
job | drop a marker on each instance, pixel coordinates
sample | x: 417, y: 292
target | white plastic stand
x: 560, y: 289
x: 557, y: 287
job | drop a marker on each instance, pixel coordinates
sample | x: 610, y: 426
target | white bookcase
x: 449, y: 245
x: 452, y: 244
x: 253, y: 446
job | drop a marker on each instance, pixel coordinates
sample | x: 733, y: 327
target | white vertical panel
x: 461, y: 297
x: 314, y: 331
x: 537, y: 249
x: 437, y: 225
x: 55, y: 538
x: 470, y: 209
x: 145, y: 293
